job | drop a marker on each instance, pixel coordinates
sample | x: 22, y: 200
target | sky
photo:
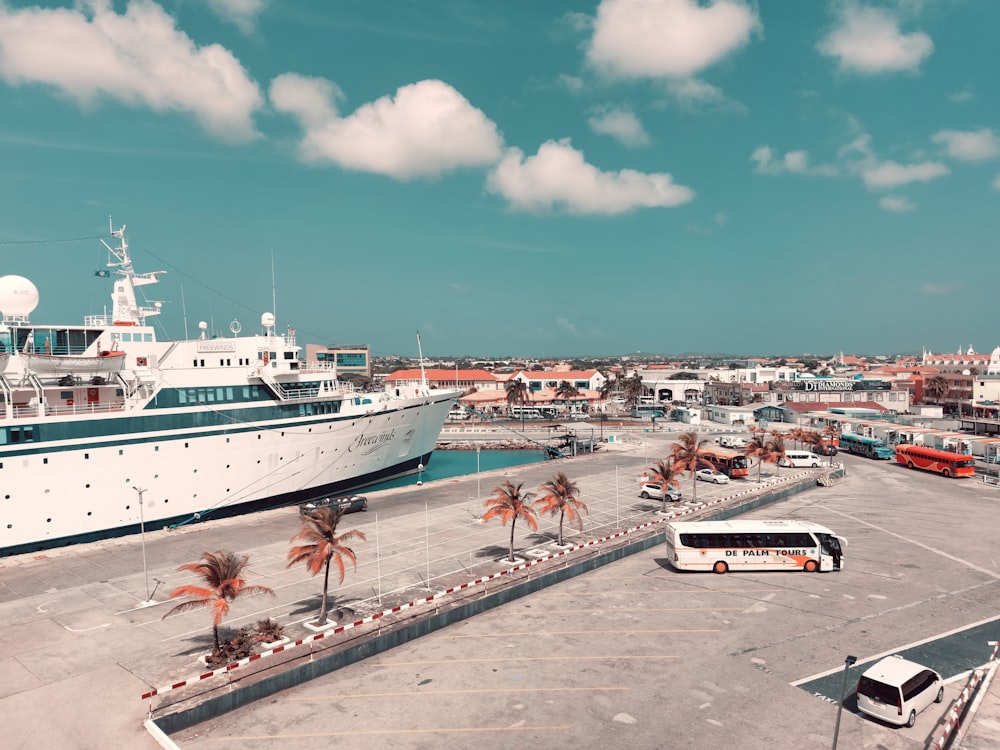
x: 539, y: 179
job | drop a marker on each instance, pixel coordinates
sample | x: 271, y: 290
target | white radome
x: 18, y: 296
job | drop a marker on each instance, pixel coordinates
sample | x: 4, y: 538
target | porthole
x: 45, y: 460
x: 90, y: 512
x: 48, y: 520
x: 87, y: 486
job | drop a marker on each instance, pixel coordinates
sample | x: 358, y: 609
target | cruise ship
x: 106, y: 430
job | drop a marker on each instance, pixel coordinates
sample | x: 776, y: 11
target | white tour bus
x: 721, y: 546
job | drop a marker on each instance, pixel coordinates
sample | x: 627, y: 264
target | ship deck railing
x: 25, y: 410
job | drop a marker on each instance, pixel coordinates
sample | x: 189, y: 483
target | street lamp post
x: 142, y: 536
x: 848, y: 662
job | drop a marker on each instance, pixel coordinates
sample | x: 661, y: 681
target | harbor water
x: 445, y: 464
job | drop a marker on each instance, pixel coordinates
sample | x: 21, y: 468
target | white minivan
x: 800, y: 458
x: 895, y: 690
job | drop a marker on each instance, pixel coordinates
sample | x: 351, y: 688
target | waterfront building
x: 348, y: 358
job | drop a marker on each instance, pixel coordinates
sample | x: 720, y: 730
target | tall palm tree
x: 321, y: 545
x: 222, y: 574
x: 798, y: 435
x: 777, y: 450
x: 567, y: 391
x: 509, y: 504
x: 666, y: 472
x: 633, y: 389
x: 560, y: 496
x: 690, y: 454
x: 757, y: 447
x: 936, y: 388
x: 517, y: 393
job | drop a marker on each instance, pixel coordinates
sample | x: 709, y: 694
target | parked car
x: 825, y: 449
x: 654, y: 490
x: 895, y: 690
x: 346, y: 504
x: 711, y: 475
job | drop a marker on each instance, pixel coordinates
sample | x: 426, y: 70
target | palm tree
x: 936, y: 388
x: 560, y: 497
x: 666, y: 473
x: 567, y: 391
x: 777, y: 450
x: 633, y: 389
x: 798, y: 435
x: 321, y: 545
x: 757, y: 446
x: 517, y: 393
x: 508, y: 504
x: 690, y: 454
x: 222, y: 573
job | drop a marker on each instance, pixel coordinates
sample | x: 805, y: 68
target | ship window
x: 156, y: 449
x: 147, y: 337
x: 65, y: 394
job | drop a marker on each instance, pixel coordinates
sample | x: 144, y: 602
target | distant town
x: 960, y: 390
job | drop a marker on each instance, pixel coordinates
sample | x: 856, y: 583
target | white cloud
x: 573, y: 84
x: 960, y: 97
x: 667, y: 38
x: 138, y: 59
x: 241, y: 13
x: 794, y: 162
x: 976, y: 145
x: 558, y: 176
x: 427, y: 129
x: 935, y: 289
x: 621, y: 125
x: 890, y: 174
x: 564, y: 324
x: 897, y: 204
x: 869, y: 41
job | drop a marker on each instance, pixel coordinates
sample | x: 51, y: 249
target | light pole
x: 848, y: 662
x: 478, y: 493
x: 142, y: 536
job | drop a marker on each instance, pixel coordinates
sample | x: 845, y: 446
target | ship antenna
x: 420, y: 356
x: 274, y: 297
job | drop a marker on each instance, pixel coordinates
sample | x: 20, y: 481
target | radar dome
x: 267, y: 320
x: 18, y: 296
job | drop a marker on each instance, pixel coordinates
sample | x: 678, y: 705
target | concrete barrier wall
x: 325, y: 663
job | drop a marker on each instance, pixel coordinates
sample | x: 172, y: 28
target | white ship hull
x: 85, y: 492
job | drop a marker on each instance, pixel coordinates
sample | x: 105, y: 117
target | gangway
x: 552, y: 452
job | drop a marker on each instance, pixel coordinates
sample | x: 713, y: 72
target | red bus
x: 945, y: 463
x: 726, y: 461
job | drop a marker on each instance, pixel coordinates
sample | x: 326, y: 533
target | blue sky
x: 517, y: 178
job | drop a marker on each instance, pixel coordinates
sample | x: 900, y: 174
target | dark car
x: 346, y: 504
x: 825, y: 449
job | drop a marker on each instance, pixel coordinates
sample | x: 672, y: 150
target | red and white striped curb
x: 228, y: 668
x: 952, y: 719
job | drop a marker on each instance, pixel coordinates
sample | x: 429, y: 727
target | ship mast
x: 124, y: 307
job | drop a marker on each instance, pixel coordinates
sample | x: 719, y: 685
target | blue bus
x: 869, y: 447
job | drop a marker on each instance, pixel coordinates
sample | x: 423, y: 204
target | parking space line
x: 536, y: 633
x: 404, y: 693
x: 508, y: 659
x: 384, y: 732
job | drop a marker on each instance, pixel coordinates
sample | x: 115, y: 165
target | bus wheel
x: 909, y: 464
x: 811, y: 566
x: 945, y: 473
x: 720, y: 567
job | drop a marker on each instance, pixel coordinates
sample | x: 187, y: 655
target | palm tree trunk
x: 215, y: 638
x: 562, y: 515
x: 323, y: 602
x: 511, y: 558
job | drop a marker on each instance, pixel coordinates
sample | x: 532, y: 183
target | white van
x: 895, y: 690
x: 800, y: 458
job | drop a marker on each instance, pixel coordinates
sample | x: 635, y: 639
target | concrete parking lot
x: 637, y: 653
x: 634, y: 652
